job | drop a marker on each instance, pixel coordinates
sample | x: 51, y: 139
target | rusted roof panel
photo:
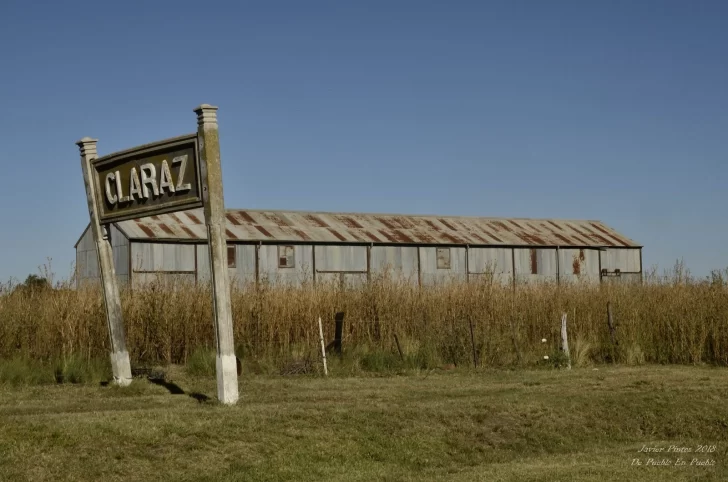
x: 295, y: 226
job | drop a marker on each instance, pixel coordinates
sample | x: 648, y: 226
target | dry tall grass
x: 673, y: 319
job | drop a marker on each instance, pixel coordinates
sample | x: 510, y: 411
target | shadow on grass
x: 175, y: 389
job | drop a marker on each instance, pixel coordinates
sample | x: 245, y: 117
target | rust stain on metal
x: 387, y: 236
x: 166, y: 229
x: 318, y: 222
x: 400, y: 236
x: 555, y: 225
x: 576, y: 230
x: 188, y: 231
x: 425, y: 237
x: 232, y: 219
x: 479, y: 237
x: 264, y: 231
x: 155, y: 218
x: 337, y: 234
x: 447, y: 225
x: 432, y: 224
x: 537, y: 240
x: 276, y: 219
x: 501, y: 225
x: 176, y: 219
x: 534, y: 261
x: 515, y: 224
x: 452, y: 238
x: 147, y: 230
x: 350, y: 222
x: 564, y: 239
x: 230, y: 234
x: 385, y: 222
x: 603, y: 240
x: 302, y: 234
x: 246, y: 217
x: 404, y: 222
x: 488, y: 233
x: 371, y: 236
x: 193, y: 218
x: 576, y: 264
x: 356, y: 236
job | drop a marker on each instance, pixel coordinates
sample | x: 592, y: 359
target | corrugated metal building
x: 294, y: 247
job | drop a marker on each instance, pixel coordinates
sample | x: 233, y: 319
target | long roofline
x: 325, y: 227
x: 360, y: 213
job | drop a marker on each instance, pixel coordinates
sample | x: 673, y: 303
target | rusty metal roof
x: 323, y: 227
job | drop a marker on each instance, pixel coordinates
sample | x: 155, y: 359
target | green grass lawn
x: 578, y: 425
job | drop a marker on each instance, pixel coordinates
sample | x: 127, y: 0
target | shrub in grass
x: 201, y: 363
x: 23, y: 371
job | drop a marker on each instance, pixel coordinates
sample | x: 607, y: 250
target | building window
x: 286, y: 258
x: 231, y: 256
x: 443, y: 258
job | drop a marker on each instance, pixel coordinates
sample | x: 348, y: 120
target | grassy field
x: 462, y: 425
x: 675, y: 319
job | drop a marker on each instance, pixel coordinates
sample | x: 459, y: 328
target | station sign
x: 148, y: 180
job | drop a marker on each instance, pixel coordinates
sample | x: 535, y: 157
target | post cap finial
x: 203, y: 107
x: 206, y: 115
x: 87, y: 140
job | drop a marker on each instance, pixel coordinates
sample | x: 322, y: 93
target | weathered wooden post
x: 214, y: 208
x: 120, y: 366
x: 565, y: 341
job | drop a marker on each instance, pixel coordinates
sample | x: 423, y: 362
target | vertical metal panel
x: 163, y: 257
x: 544, y: 260
x: 432, y: 275
x: 350, y: 280
x: 139, y: 280
x: 498, y: 261
x: 142, y: 257
x: 626, y: 260
x: 117, y: 237
x: 121, y: 259
x: 401, y: 260
x: 244, y: 271
x: 625, y: 278
x: 177, y: 257
x: 578, y: 265
x: 92, y: 264
x: 341, y: 258
x: 299, y: 273
x: 203, y: 263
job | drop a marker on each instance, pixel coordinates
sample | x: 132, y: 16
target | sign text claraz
x: 148, y: 180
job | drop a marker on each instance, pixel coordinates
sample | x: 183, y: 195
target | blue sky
x: 616, y: 111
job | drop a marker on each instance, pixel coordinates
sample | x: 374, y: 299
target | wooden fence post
x: 565, y: 341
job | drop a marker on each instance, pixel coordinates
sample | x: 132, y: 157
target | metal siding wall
x: 302, y: 270
x: 432, y: 275
x: 244, y: 271
x: 142, y: 279
x: 203, y: 263
x: 483, y: 261
x: 624, y: 259
x: 351, y: 280
x: 341, y: 258
x: 570, y: 261
x: 545, y: 265
x: 92, y: 264
x: 87, y: 265
x: 163, y: 257
x: 402, y: 260
x: 625, y: 278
